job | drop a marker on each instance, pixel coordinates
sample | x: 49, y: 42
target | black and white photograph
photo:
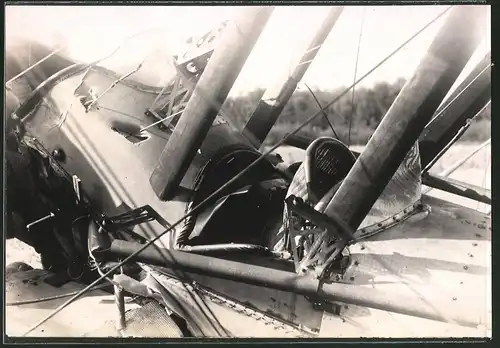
x: 271, y: 171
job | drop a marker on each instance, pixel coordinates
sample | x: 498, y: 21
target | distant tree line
x: 369, y: 107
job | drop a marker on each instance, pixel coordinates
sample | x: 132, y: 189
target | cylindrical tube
x: 266, y: 114
x: 411, y: 111
x: 286, y: 281
x: 208, y: 96
x: 120, y: 304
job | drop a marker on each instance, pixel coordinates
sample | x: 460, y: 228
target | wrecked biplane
x: 155, y: 217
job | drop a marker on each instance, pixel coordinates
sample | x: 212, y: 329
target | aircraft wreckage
x: 155, y: 217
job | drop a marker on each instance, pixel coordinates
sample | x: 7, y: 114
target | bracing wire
x: 355, y: 75
x: 460, y: 132
x: 325, y: 115
x: 31, y: 67
x: 488, y: 162
x: 62, y: 48
x: 235, y: 178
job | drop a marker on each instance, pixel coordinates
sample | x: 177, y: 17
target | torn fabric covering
x: 186, y: 303
x: 150, y: 287
x: 402, y: 191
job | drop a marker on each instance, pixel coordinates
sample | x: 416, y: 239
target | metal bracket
x: 77, y: 187
x: 403, y: 215
x: 342, y: 233
x: 45, y: 218
x: 333, y: 226
x: 326, y: 306
x: 134, y: 217
x: 99, y: 240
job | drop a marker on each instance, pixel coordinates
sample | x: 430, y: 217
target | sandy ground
x: 16, y: 250
x: 476, y: 171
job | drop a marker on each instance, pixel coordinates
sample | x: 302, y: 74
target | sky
x: 92, y: 30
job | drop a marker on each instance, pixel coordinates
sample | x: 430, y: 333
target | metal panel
x: 446, y: 254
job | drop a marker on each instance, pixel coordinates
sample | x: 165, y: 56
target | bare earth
x: 476, y: 171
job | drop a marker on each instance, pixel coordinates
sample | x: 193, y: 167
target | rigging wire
x: 167, y: 84
x: 114, y: 83
x: 322, y: 109
x: 172, y: 62
x: 448, y: 104
x: 55, y: 297
x: 483, y: 185
x: 451, y: 169
x: 460, y: 132
x: 154, y: 124
x: 90, y: 65
x: 462, y: 91
x: 235, y: 178
x: 355, y: 75
x: 461, y: 162
x: 25, y: 71
x: 61, y: 48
